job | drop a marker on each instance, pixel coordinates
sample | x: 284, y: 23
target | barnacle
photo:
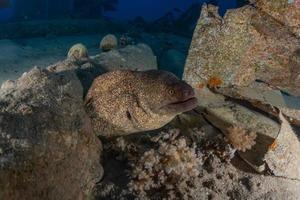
x: 240, y: 139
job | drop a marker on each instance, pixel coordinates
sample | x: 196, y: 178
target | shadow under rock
x: 113, y: 186
x: 297, y: 131
x: 87, y: 75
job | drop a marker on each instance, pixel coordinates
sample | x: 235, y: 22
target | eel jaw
x: 182, y: 106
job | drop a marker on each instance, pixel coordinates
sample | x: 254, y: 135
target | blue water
x: 116, y: 9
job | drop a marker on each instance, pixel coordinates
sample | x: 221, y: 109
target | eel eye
x: 171, y: 92
x: 128, y: 115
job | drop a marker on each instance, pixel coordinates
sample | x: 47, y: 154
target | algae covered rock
x: 48, y: 150
x: 78, y: 51
x: 109, y: 42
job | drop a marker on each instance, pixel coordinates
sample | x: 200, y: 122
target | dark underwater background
x: 150, y: 10
x: 39, y: 32
x: 68, y: 131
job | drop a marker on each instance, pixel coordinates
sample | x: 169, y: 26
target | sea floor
x: 20, y: 55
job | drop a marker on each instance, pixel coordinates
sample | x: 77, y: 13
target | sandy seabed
x: 20, y: 55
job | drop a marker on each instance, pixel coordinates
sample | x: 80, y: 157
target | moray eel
x: 123, y: 102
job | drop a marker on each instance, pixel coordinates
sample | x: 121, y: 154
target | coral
x: 214, y: 82
x: 109, y: 42
x: 171, y: 170
x: 240, y: 139
x: 217, y: 146
x: 78, y: 51
x: 126, y: 150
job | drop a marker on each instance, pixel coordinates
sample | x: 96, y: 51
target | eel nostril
x: 189, y: 93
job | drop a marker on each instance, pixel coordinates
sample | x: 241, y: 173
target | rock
x: 48, y: 150
x: 283, y: 157
x: 109, y: 42
x: 246, y: 46
x: 267, y: 99
x: 286, y: 12
x: 86, y: 69
x: 9, y: 84
x: 244, y: 68
x: 65, y: 65
x: 133, y: 57
x: 78, y: 51
x: 225, y: 114
x: 173, y: 61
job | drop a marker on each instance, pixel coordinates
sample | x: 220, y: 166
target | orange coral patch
x: 214, y: 82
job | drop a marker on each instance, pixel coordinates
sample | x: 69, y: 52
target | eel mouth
x: 183, y: 106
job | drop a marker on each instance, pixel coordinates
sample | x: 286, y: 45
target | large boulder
x: 244, y: 68
x: 245, y: 46
x: 47, y: 147
x: 252, y: 54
